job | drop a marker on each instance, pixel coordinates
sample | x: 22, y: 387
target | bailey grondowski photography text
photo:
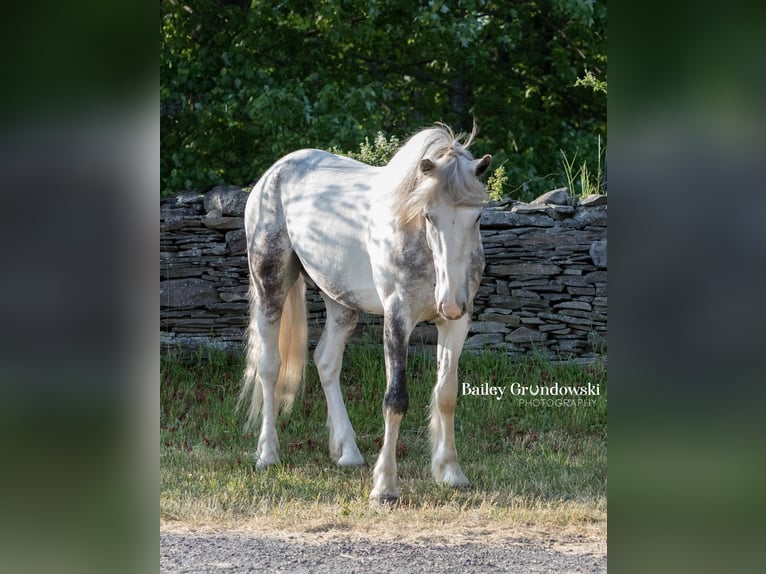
x: 553, y: 395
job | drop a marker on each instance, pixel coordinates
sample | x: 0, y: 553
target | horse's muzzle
x: 451, y: 311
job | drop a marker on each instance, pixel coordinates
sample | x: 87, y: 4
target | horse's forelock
x: 452, y: 179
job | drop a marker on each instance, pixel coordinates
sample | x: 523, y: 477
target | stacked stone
x: 203, y: 269
x: 543, y: 291
x: 545, y: 284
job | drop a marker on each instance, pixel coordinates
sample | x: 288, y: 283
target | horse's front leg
x: 396, y: 334
x: 444, y: 465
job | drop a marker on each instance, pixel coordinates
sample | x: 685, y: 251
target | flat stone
x: 570, y: 345
x: 190, y: 292
x: 596, y: 277
x: 229, y: 296
x: 524, y: 294
x: 556, y: 197
x: 525, y: 208
x: 559, y: 211
x: 189, y: 197
x: 575, y: 313
x: 510, y: 320
x: 514, y: 220
x: 569, y: 320
x: 587, y: 290
x: 550, y: 288
x: 199, y: 252
x: 498, y: 310
x: 593, y: 215
x: 487, y: 327
x: 526, y: 335
x: 481, y: 340
x: 524, y: 269
x: 552, y: 327
x: 228, y: 200
x: 527, y: 283
x: 578, y: 305
x: 236, y: 242
x: 214, y: 220
x: 177, y: 271
x: 593, y: 200
x: 181, y: 222
x: 598, y: 253
x: 556, y: 296
x: 512, y: 303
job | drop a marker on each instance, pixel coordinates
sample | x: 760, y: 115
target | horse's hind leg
x: 273, y: 272
x: 328, y: 357
x: 269, y: 363
x: 444, y: 464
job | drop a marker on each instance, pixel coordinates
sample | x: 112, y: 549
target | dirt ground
x: 205, y: 549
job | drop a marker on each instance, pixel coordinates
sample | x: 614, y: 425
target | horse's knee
x: 268, y: 368
x: 397, y: 400
x: 326, y: 368
x: 445, y: 402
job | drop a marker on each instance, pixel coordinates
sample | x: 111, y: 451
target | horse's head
x: 451, y: 218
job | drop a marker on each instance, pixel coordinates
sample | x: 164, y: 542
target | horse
x: 401, y: 241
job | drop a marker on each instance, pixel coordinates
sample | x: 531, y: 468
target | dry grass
x: 571, y: 525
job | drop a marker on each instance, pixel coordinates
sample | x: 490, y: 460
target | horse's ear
x: 482, y: 165
x: 427, y: 166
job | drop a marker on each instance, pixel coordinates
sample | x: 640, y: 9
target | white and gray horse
x: 400, y: 241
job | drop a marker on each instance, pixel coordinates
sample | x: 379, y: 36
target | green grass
x: 536, y: 465
x: 589, y: 183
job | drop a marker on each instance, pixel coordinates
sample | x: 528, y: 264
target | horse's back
x: 323, y: 202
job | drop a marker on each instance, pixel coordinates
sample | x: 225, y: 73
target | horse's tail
x: 293, y: 344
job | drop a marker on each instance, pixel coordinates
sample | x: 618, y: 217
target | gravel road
x: 182, y: 552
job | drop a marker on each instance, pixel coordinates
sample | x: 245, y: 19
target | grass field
x: 538, y: 467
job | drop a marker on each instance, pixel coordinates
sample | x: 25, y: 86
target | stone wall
x: 544, y: 288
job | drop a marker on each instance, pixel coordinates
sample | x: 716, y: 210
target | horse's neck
x: 386, y: 225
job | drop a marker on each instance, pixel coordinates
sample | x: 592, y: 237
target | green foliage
x: 239, y: 88
x: 496, y: 183
x: 591, y: 81
x: 581, y: 177
x: 377, y: 153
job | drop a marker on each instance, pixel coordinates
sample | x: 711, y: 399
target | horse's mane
x: 452, y: 177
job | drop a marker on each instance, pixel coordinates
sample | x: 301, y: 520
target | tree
x: 243, y: 83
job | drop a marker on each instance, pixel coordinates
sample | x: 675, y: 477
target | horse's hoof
x: 388, y: 500
x: 350, y: 461
x: 454, y: 478
x: 262, y: 463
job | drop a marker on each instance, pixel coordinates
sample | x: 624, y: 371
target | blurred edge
x: 79, y: 352
x: 687, y: 148
x: 79, y: 356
